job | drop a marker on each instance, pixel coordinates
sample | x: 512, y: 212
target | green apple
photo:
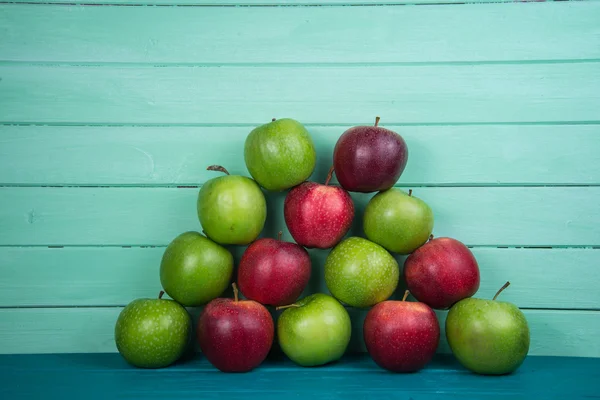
x: 194, y: 269
x: 314, y: 331
x: 280, y: 154
x: 361, y: 273
x: 232, y: 209
x: 488, y: 336
x: 398, y: 221
x: 153, y: 333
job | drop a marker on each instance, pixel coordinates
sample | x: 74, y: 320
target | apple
x: 194, y: 269
x: 361, y: 273
x: 274, y: 272
x: 401, y: 336
x: 318, y: 215
x: 235, y: 335
x: 398, y: 221
x: 488, y: 336
x: 369, y: 158
x: 441, y: 272
x: 280, y: 154
x: 314, y: 331
x: 153, y: 333
x: 232, y: 209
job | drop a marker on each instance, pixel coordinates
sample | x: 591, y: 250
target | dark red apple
x: 441, y: 272
x: 235, y: 335
x: 318, y: 215
x: 369, y: 158
x: 274, y: 272
x: 401, y: 336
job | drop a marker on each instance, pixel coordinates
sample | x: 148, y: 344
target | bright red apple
x: 235, y: 335
x: 318, y: 215
x: 369, y: 158
x: 401, y: 336
x: 274, y: 272
x: 441, y: 272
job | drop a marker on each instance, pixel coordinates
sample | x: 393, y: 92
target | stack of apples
x: 236, y: 335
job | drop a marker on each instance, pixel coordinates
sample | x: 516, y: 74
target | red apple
x: 274, y: 272
x: 318, y: 215
x: 235, y: 335
x: 401, y: 336
x: 441, y: 272
x: 369, y: 158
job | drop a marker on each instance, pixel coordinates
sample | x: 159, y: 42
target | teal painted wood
x: 260, y: 3
x: 399, y: 94
x: 113, y: 276
x: 501, y: 216
x: 102, y: 376
x: 155, y: 156
x: 370, y: 35
x: 91, y: 330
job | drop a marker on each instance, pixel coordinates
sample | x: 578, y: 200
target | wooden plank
x: 91, y: 330
x: 554, y: 92
x: 93, y: 376
x: 113, y: 276
x: 497, y: 216
x: 259, y: 3
x: 470, y: 155
x: 74, y: 34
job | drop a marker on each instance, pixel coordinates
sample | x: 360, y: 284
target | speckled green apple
x: 194, y: 270
x: 314, y: 331
x: 153, y: 333
x: 487, y: 336
x: 398, y: 221
x: 361, y: 273
x: 280, y: 154
x: 232, y: 209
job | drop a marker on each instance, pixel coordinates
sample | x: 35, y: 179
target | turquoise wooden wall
x: 109, y: 115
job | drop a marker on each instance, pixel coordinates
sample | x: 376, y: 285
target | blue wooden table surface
x: 95, y: 376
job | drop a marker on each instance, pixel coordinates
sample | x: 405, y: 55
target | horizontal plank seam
x: 194, y: 185
x: 115, y: 64
x: 299, y: 4
x: 308, y: 124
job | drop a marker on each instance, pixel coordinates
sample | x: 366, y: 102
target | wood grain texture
x: 251, y: 95
x: 307, y: 35
x: 91, y: 330
x: 501, y: 216
x: 102, y: 376
x: 260, y: 3
x: 114, y: 276
x: 153, y: 156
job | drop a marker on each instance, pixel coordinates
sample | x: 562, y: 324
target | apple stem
x: 160, y: 295
x: 377, y: 120
x: 235, y: 292
x: 273, y: 119
x: 217, y: 168
x: 288, y: 306
x: 410, y: 192
x: 329, y: 175
x: 430, y: 237
x: 279, y: 235
x: 406, y: 293
x: 501, y: 289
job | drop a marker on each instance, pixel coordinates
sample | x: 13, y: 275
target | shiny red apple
x: 274, y: 272
x: 318, y: 215
x: 235, y: 335
x: 441, y: 272
x: 401, y: 336
x: 369, y: 158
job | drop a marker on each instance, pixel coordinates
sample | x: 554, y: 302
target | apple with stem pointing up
x: 274, y: 272
x: 235, y: 335
x: 318, y: 216
x: 401, y: 336
x: 488, y: 336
